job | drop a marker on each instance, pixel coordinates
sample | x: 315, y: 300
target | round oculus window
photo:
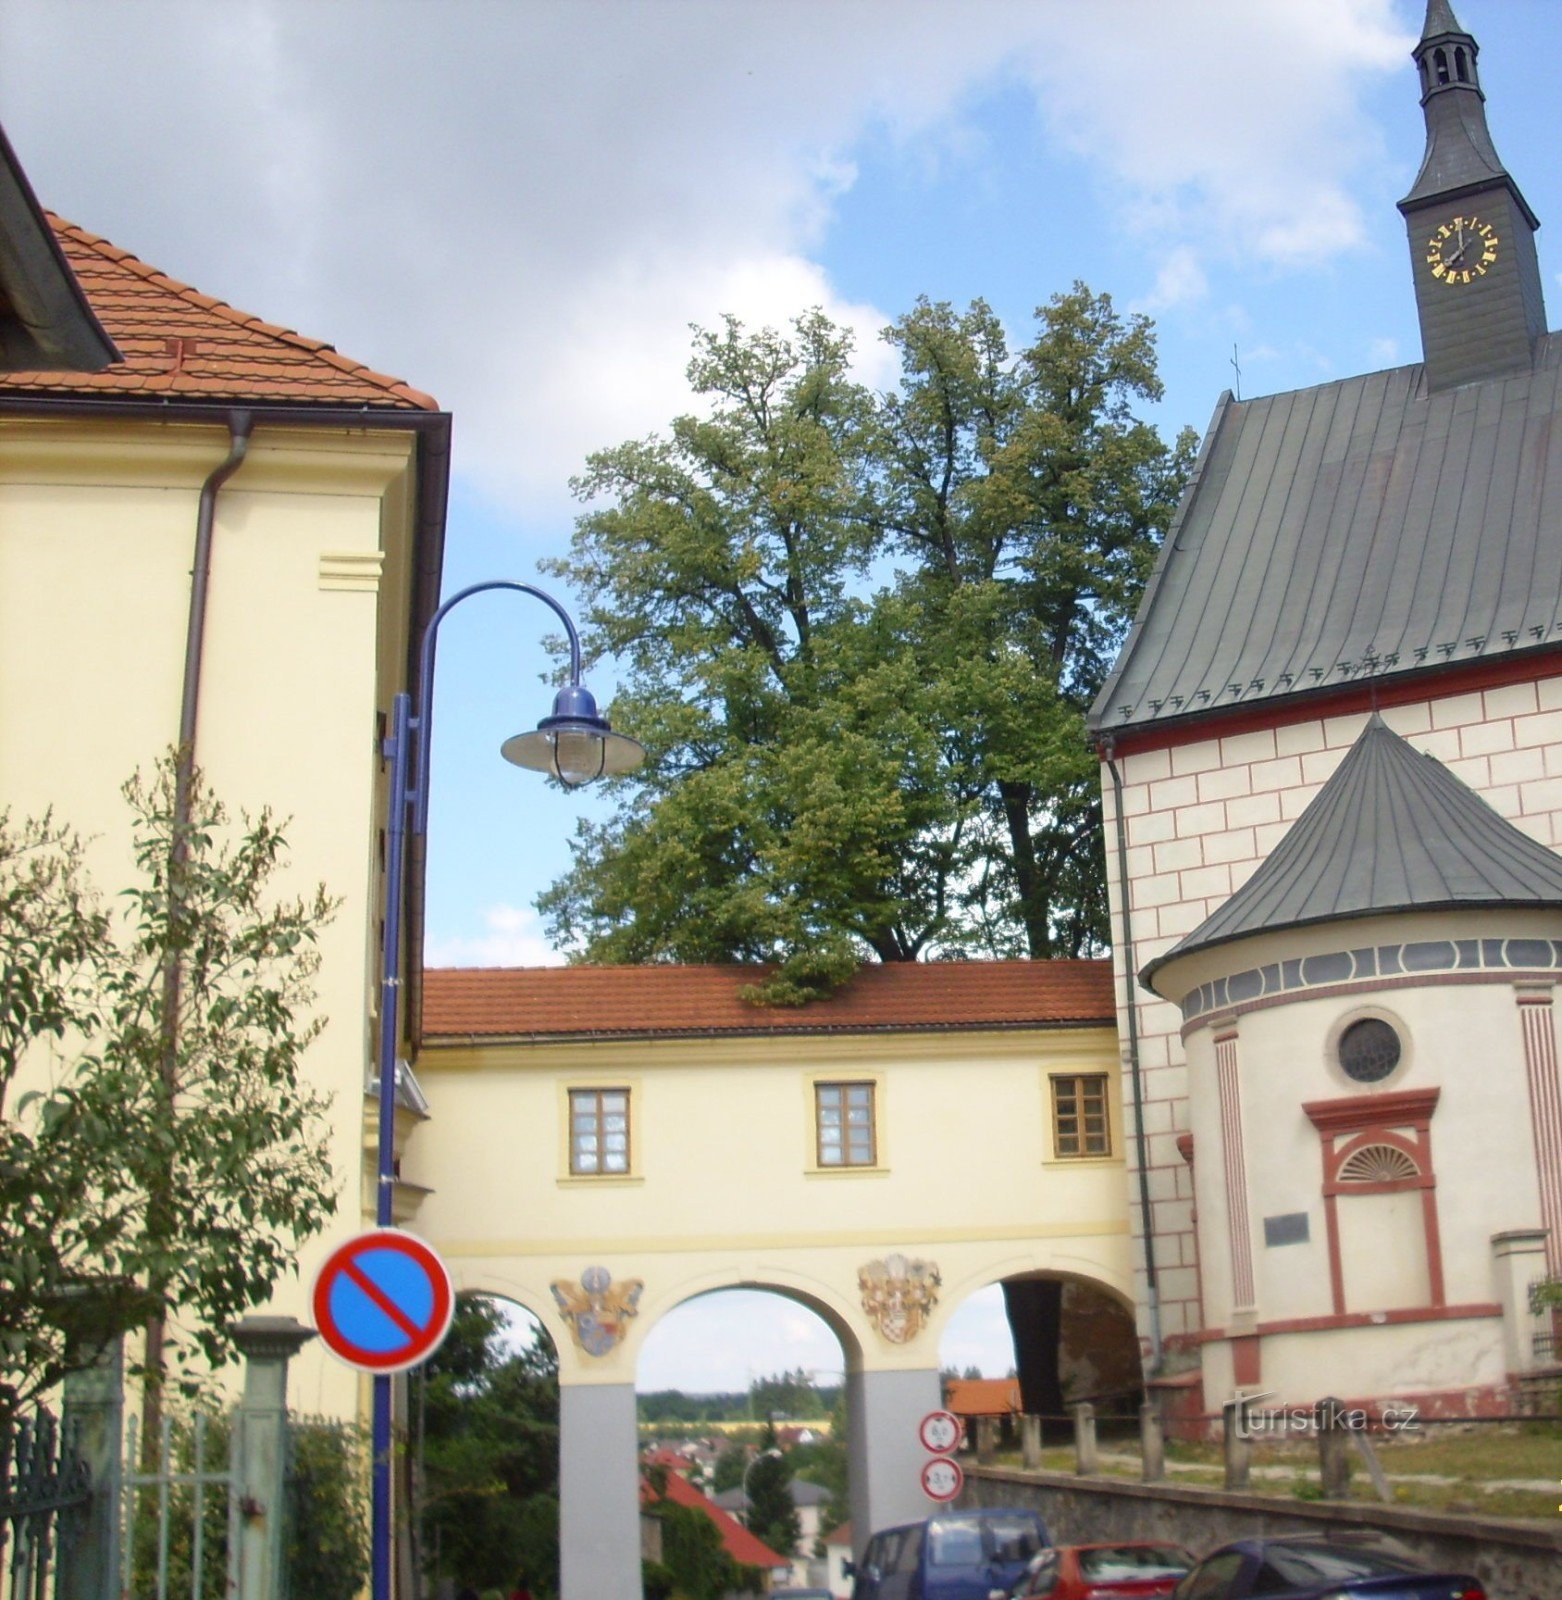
x: 1369, y: 1050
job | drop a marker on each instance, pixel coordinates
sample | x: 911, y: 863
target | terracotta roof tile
x: 640, y: 1002
x: 182, y: 344
x: 983, y: 1397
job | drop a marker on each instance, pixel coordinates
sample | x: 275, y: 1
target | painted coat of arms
x: 898, y: 1294
x: 597, y: 1309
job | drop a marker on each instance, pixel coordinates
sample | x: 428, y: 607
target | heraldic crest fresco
x: 898, y: 1294
x: 597, y: 1309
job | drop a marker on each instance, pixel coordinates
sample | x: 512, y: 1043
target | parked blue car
x: 1309, y: 1567
x: 957, y: 1555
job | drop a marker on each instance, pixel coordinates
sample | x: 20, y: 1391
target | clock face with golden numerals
x: 1461, y: 250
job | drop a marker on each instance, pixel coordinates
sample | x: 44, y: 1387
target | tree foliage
x: 490, y: 1455
x: 771, y: 1516
x: 859, y: 633
x: 136, y: 1182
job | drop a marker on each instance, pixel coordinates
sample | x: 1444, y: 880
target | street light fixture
x: 575, y: 744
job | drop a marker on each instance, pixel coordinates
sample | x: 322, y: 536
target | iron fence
x: 43, y: 1482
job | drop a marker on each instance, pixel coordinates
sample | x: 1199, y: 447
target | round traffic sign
x: 940, y: 1432
x: 942, y: 1478
x: 383, y: 1301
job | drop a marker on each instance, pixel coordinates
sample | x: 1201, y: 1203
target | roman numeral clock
x: 1462, y: 250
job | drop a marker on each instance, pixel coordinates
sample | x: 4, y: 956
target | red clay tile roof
x: 740, y: 1544
x: 983, y: 1397
x: 540, y: 1003
x: 180, y: 344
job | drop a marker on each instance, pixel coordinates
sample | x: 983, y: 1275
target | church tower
x: 1472, y: 234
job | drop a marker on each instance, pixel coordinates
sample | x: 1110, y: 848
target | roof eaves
x: 464, y: 1040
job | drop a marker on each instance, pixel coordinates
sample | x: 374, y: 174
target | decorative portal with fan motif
x: 1379, y: 1163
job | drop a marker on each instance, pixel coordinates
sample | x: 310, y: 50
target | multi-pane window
x: 598, y: 1130
x: 844, y: 1118
x: 1080, y: 1126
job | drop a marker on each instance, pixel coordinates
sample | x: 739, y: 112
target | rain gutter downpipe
x: 240, y: 424
x: 1152, y: 1293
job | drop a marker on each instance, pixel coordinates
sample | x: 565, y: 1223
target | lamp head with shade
x: 575, y: 744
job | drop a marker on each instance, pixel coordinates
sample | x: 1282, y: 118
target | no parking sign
x: 383, y: 1301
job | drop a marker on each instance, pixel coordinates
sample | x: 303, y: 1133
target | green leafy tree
x: 859, y: 634
x: 135, y: 1184
x: 489, y: 1455
x: 729, y: 1468
x: 771, y: 1515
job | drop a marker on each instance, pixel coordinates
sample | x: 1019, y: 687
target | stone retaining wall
x: 1514, y: 1560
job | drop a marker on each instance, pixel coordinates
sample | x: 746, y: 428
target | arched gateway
x: 606, y: 1143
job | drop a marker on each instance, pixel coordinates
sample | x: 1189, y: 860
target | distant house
x: 810, y: 1499
x: 738, y: 1542
x: 837, y: 1559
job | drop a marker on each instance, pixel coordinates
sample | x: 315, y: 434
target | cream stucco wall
x: 304, y: 644
x: 725, y: 1188
x: 1462, y: 1035
x: 1200, y: 817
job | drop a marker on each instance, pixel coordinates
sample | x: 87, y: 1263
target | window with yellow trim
x: 598, y: 1131
x: 1081, y: 1125
x: 844, y: 1116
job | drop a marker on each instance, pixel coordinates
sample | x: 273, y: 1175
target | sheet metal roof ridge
x: 1406, y: 384
x: 1387, y: 805
x: 397, y: 392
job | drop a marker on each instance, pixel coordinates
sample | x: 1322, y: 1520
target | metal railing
x: 177, y: 1511
x: 42, y: 1482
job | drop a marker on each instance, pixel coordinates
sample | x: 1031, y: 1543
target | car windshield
x: 1013, y: 1538
x: 954, y: 1542
x: 1301, y: 1566
x: 1130, y: 1561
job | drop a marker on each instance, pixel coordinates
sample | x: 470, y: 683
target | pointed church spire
x: 1459, y: 148
x: 1472, y: 247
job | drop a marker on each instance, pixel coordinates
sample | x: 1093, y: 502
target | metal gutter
x: 432, y: 429
x: 1135, y: 1072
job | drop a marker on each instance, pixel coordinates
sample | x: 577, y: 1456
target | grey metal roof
x: 1392, y: 830
x: 45, y: 321
x: 1359, y: 529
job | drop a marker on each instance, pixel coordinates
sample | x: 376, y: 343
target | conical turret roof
x: 1393, y: 830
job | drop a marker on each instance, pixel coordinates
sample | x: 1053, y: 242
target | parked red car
x: 1135, y: 1570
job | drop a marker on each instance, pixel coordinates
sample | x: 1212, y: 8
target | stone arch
x: 842, y: 1319
x: 1073, y: 1332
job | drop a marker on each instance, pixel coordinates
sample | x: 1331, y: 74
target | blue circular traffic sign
x: 383, y: 1301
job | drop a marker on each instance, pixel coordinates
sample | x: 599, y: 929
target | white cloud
x: 1383, y: 352
x: 513, y: 938
x: 520, y: 207
x: 1231, y: 125
x: 1180, y: 281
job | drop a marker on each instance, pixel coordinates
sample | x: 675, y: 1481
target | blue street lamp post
x: 575, y: 745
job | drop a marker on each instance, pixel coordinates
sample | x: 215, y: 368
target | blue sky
x: 521, y: 206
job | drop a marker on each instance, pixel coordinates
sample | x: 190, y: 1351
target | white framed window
x: 599, y: 1132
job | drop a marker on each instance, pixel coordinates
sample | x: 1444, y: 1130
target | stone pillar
x: 1152, y: 1442
x: 1518, y: 1260
x: 1086, y: 1458
x: 1333, y: 1448
x: 599, y: 1492
x: 1238, y: 1448
x: 93, y: 1407
x: 1030, y: 1442
x: 986, y: 1439
x: 257, y: 1512
x: 885, y: 1455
